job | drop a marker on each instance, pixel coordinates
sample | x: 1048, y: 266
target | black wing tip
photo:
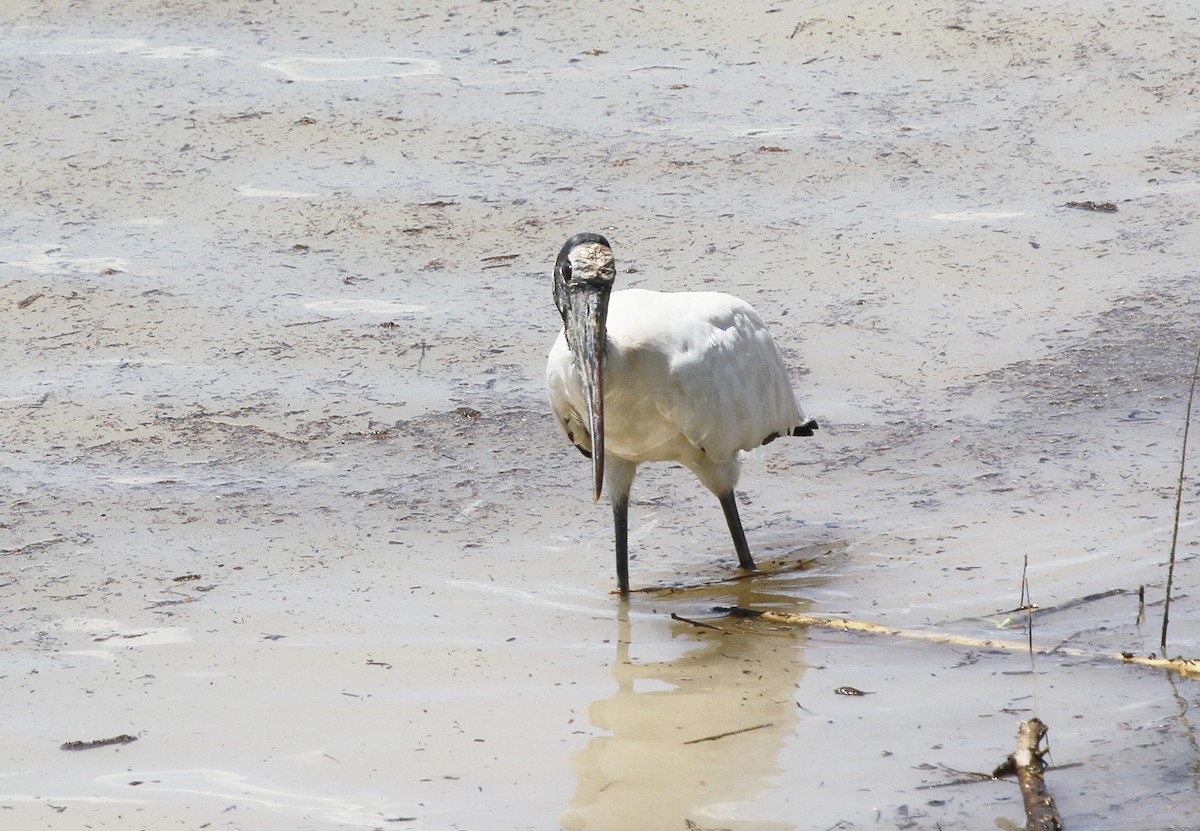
x: 806, y: 429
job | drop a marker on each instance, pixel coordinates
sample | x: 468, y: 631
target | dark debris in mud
x: 1090, y: 205
x: 124, y: 738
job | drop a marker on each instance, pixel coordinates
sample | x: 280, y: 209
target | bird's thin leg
x: 729, y: 505
x: 618, y: 478
x: 621, y: 531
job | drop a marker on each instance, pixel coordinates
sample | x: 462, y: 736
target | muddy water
x: 282, y: 498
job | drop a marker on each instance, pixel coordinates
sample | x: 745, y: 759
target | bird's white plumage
x: 691, y: 377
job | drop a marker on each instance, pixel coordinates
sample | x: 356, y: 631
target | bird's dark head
x: 583, y: 278
x: 585, y: 264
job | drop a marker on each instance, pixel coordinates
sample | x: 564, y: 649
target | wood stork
x: 645, y: 376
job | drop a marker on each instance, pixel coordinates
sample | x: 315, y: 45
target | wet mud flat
x: 283, y: 502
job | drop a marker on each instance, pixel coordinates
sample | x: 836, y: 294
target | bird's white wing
x: 722, y: 381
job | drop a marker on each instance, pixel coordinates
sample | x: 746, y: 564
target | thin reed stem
x: 1187, y: 423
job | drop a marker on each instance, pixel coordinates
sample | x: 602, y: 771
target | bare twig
x: 78, y: 744
x: 731, y: 733
x: 1026, y: 598
x: 1187, y: 423
x: 697, y: 623
x: 1043, y: 611
x: 1027, y: 602
x: 967, y: 777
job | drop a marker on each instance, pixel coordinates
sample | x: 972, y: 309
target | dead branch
x: 1030, y: 768
x: 1185, y: 667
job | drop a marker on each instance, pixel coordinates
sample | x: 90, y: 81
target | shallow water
x: 283, y: 499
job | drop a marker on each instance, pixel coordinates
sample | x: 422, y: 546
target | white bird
x: 646, y: 376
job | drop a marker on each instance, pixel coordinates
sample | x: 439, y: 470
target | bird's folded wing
x: 731, y: 391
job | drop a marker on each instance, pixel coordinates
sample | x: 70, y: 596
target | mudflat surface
x: 283, y: 501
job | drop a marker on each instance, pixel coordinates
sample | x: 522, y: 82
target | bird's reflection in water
x: 695, y: 739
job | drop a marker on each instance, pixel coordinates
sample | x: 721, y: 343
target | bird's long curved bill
x: 587, y: 320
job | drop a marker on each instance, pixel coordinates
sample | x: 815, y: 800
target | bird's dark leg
x: 729, y: 504
x: 618, y: 479
x: 621, y: 532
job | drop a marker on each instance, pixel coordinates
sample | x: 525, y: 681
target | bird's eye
x: 566, y: 270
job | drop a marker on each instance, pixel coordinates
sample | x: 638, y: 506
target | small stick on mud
x: 1028, y: 606
x: 124, y: 738
x: 1043, y: 611
x: 697, y: 623
x: 1089, y: 205
x: 1030, y: 768
x: 1187, y: 423
x: 732, y: 733
x: 307, y: 322
x: 1026, y: 598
